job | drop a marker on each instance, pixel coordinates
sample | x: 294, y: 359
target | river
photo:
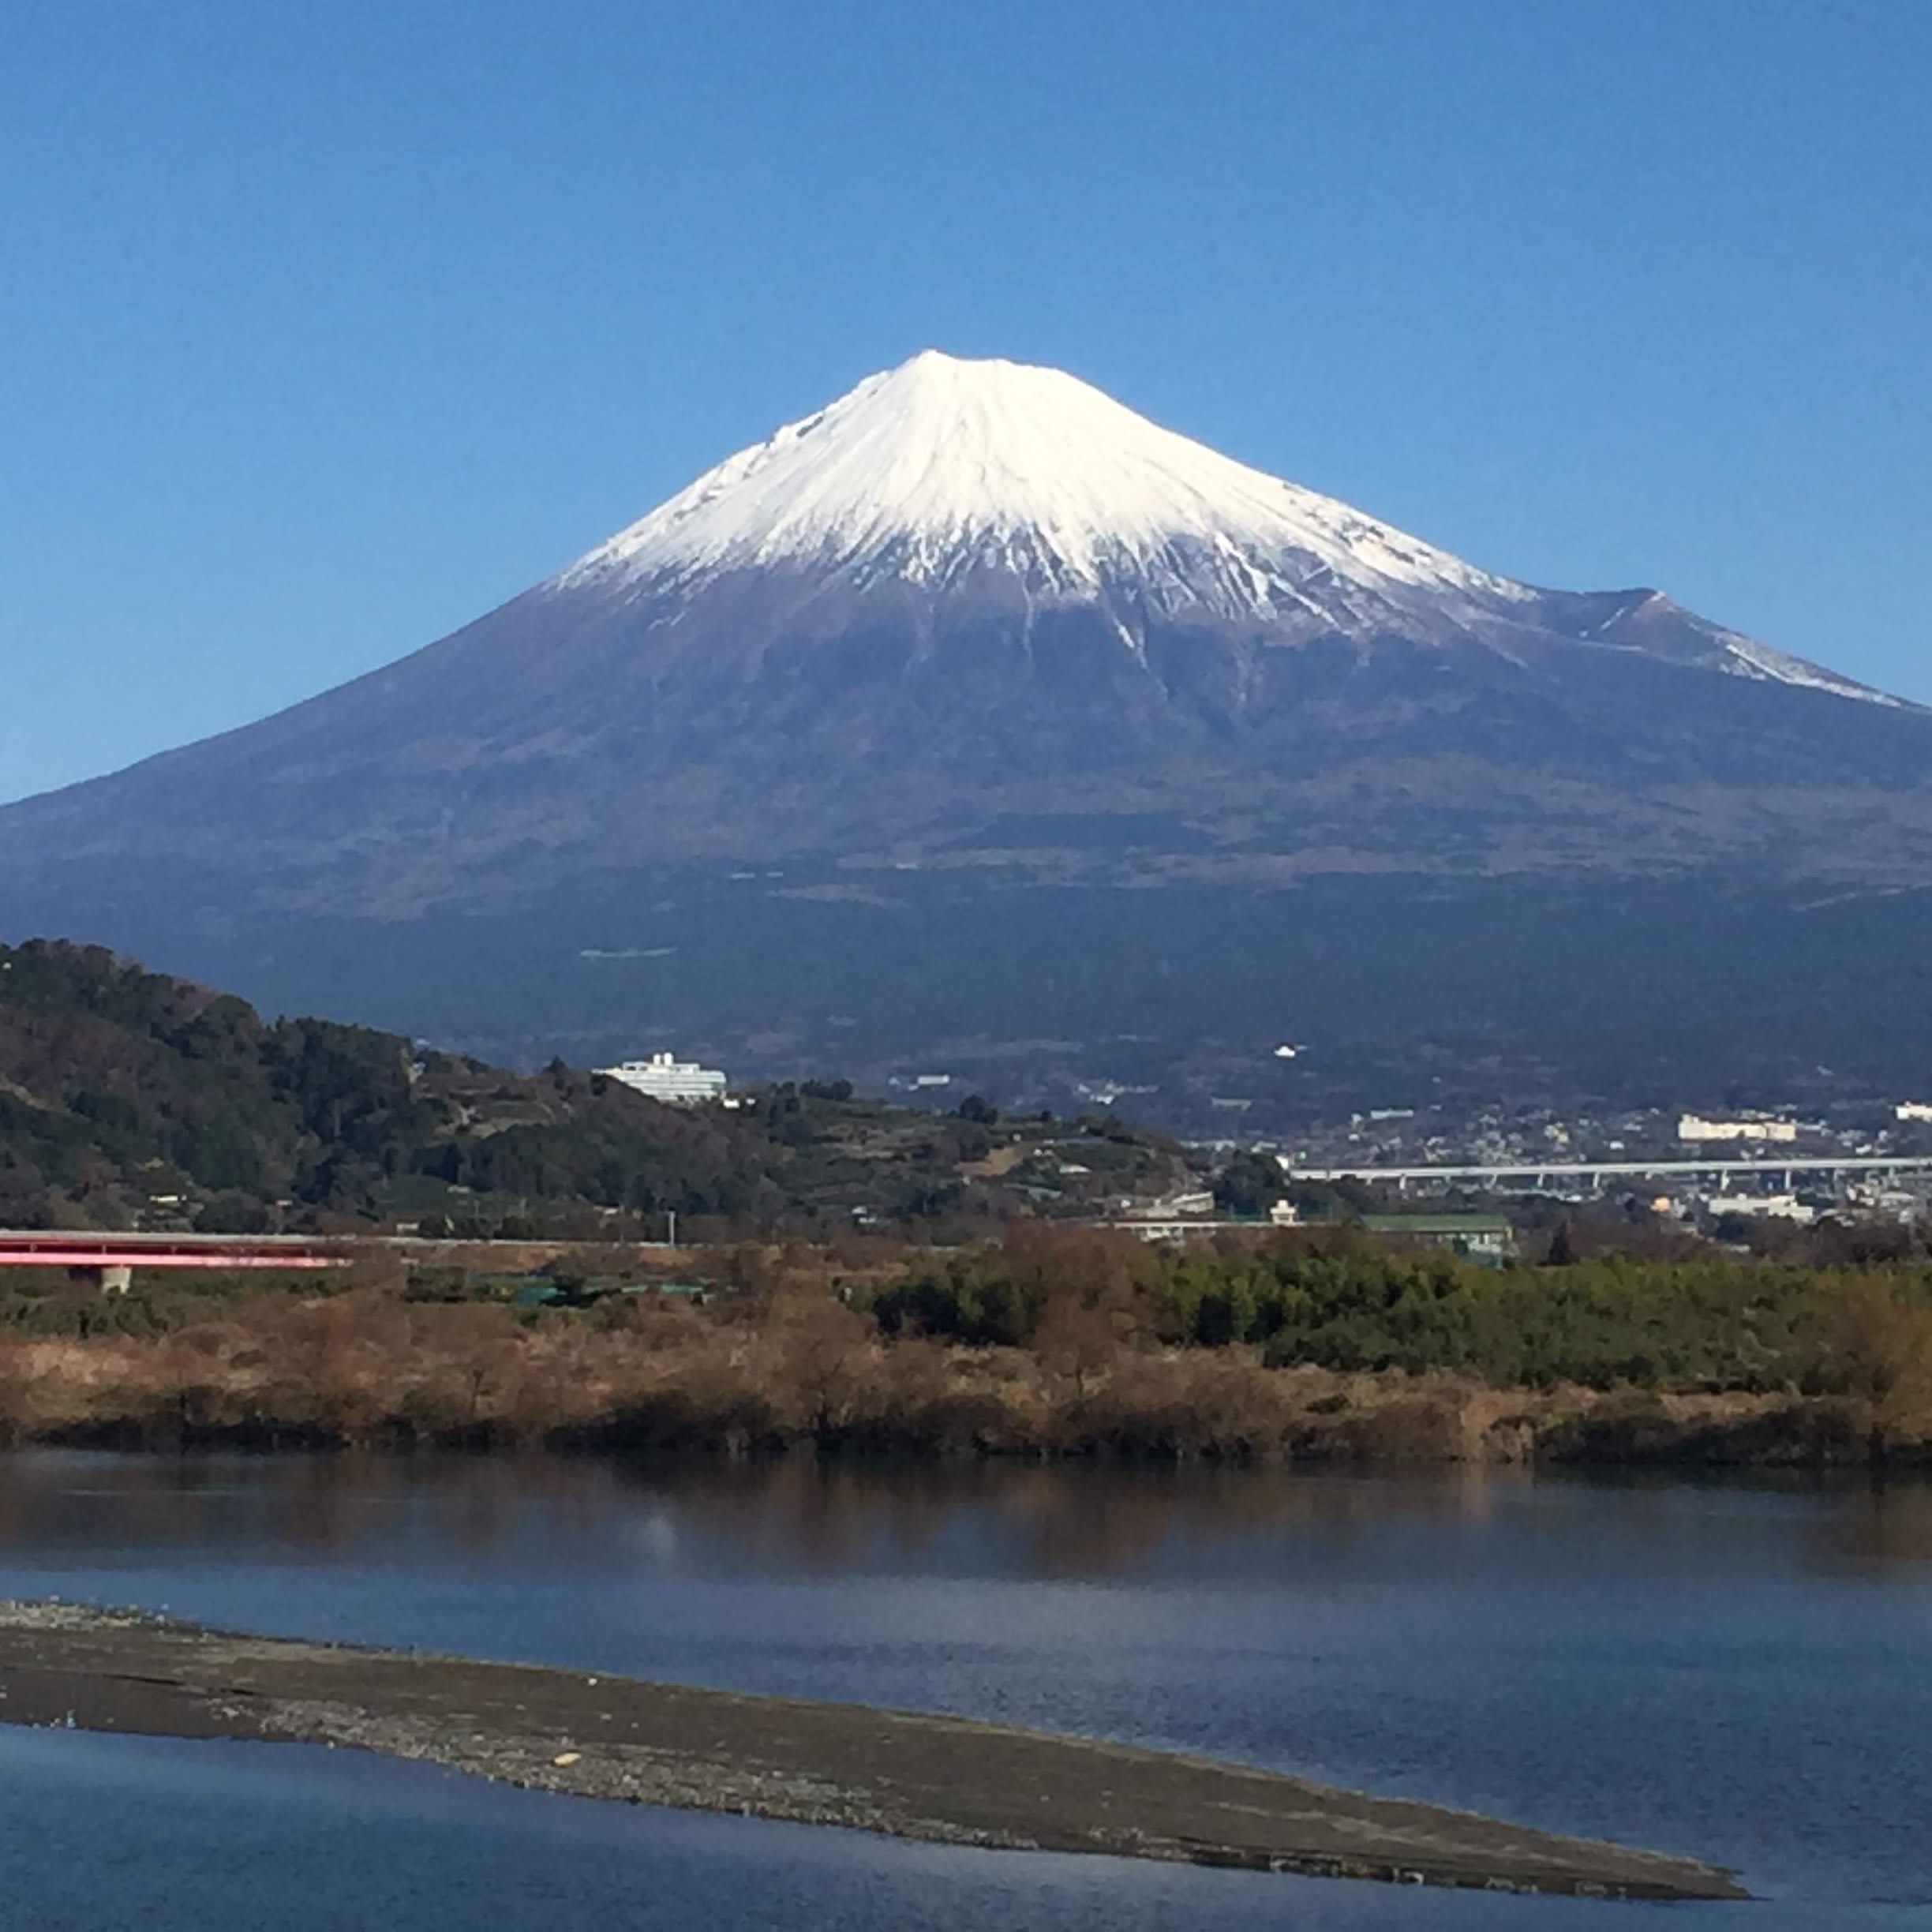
x: 1737, y: 1671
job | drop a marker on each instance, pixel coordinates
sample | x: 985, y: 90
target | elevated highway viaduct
x: 1542, y: 1176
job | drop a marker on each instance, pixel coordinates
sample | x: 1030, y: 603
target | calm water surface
x: 1741, y: 1673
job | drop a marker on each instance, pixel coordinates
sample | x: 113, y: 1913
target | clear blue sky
x: 323, y: 328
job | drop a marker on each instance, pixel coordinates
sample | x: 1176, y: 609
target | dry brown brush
x: 789, y: 1364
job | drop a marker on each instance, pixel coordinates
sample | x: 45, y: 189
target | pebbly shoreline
x: 905, y: 1773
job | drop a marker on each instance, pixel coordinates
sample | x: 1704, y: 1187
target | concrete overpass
x: 1541, y: 1176
x: 111, y: 1260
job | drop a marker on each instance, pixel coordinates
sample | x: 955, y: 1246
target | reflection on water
x: 1034, y: 1520
x: 1737, y: 1671
x: 1879, y: 1527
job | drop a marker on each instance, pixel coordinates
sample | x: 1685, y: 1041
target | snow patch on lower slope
x: 1748, y: 658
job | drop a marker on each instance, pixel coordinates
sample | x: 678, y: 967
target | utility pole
x: 670, y: 1218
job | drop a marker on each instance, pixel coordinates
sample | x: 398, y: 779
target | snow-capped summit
x: 944, y: 467
x: 947, y: 476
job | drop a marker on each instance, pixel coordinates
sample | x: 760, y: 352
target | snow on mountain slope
x: 1749, y: 658
x: 945, y: 472
x: 941, y: 465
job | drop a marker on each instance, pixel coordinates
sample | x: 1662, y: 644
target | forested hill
x: 131, y: 1098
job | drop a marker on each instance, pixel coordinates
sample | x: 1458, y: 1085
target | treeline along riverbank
x: 1294, y: 1346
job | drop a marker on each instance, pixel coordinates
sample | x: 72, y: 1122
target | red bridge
x: 111, y: 1260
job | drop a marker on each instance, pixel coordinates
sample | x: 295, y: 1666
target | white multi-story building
x: 1913, y: 1110
x: 682, y: 1082
x: 1773, y: 1207
x: 1693, y: 1127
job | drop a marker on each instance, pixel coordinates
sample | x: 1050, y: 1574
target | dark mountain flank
x: 976, y: 723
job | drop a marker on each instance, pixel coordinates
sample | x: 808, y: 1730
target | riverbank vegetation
x: 1298, y: 1345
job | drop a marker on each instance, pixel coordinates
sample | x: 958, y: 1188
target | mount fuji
x: 975, y: 720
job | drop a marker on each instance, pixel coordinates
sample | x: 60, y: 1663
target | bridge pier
x: 110, y: 1277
